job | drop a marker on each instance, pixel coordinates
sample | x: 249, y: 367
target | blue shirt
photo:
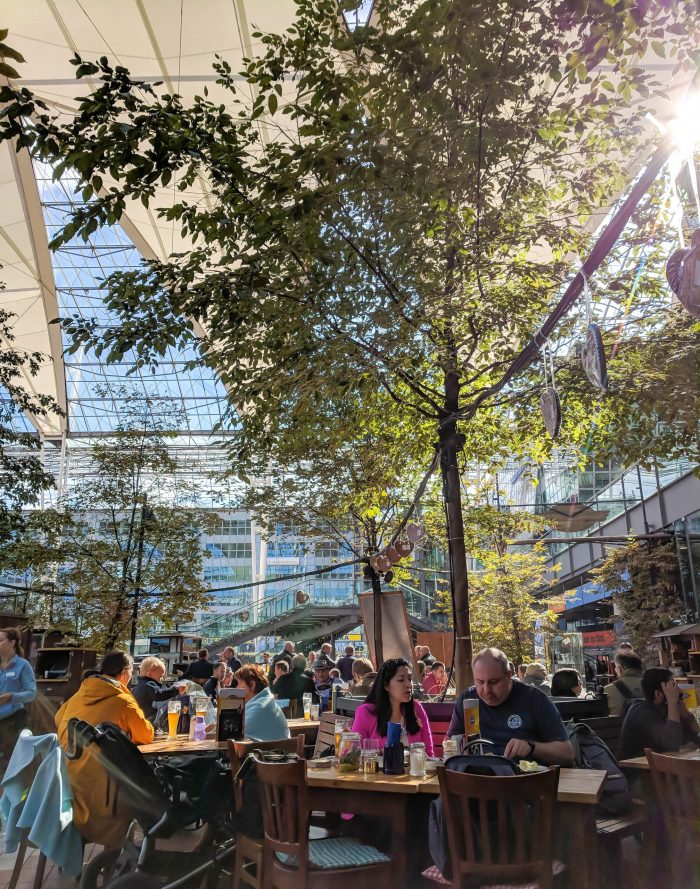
x: 17, y: 679
x: 264, y: 721
x: 526, y: 713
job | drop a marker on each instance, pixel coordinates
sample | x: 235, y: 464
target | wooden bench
x: 326, y: 734
x: 611, y: 830
x: 608, y: 729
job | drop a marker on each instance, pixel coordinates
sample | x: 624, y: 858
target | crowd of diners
x: 516, y: 711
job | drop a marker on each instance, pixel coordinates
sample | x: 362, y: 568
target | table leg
x: 578, y: 821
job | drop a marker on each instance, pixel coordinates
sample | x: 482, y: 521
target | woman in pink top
x: 391, y: 700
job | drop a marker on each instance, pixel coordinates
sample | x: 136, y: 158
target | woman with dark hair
x: 264, y: 721
x: 98, y: 814
x: 566, y: 683
x: 391, y: 700
x: 17, y: 688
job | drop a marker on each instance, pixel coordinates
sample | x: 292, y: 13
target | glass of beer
x: 173, y: 718
x: 471, y: 718
x: 306, y: 699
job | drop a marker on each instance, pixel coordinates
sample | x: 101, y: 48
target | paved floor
x: 53, y: 878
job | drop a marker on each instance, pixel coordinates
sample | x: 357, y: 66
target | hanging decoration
x: 549, y: 399
x: 683, y: 275
x: 244, y: 616
x: 415, y: 532
x: 382, y: 562
x: 302, y: 597
x: 593, y: 359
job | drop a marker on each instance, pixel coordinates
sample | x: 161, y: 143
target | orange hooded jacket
x: 100, y: 699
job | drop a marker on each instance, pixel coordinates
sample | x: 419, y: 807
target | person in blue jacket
x: 17, y: 688
x: 264, y: 721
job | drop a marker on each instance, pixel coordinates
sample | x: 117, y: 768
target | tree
x: 404, y: 228
x: 643, y: 579
x: 123, y: 549
x: 506, y: 606
x: 22, y: 474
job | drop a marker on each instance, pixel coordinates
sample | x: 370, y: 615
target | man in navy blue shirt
x: 521, y: 722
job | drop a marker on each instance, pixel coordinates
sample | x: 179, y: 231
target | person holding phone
x: 659, y: 720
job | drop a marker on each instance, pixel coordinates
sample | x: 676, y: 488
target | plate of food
x: 528, y: 766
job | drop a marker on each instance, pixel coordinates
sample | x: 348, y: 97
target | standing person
x: 391, y: 700
x: 286, y: 654
x: 327, y: 652
x: 522, y: 670
x: 311, y: 657
x: 212, y: 685
x: 628, y: 685
x: 344, y: 664
x: 427, y: 658
x: 17, y: 688
x: 228, y: 655
x: 264, y: 721
x: 199, y: 670
x: 521, y: 722
x: 659, y: 720
x: 150, y: 690
x: 99, y: 812
x: 364, y: 675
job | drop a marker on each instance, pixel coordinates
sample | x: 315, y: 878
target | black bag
x: 591, y: 752
x: 437, y: 832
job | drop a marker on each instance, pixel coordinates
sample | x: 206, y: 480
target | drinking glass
x: 341, y: 725
x: 314, y: 711
x: 306, y: 699
x: 173, y: 718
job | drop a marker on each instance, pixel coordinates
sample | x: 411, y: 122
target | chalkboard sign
x: 230, y: 719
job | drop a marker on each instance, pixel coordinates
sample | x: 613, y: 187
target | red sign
x: 599, y: 639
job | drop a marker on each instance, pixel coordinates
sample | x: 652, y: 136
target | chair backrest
x: 677, y: 786
x: 285, y: 799
x: 326, y: 733
x: 499, y: 828
x: 608, y: 729
x: 238, y: 750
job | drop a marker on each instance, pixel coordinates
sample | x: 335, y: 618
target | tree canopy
x: 404, y: 226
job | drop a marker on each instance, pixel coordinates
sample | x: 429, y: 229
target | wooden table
x: 182, y: 744
x: 641, y: 762
x: 390, y: 797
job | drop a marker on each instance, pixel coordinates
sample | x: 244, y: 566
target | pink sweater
x: 366, y: 724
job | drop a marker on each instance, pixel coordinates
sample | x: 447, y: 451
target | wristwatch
x: 532, y: 747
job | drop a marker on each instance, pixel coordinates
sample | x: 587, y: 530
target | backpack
x: 591, y: 752
x: 626, y: 693
x: 437, y: 832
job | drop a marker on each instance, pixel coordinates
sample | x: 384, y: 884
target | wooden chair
x: 677, y: 786
x: 510, y: 839
x: 248, y: 866
x: 326, y: 733
x: 291, y: 859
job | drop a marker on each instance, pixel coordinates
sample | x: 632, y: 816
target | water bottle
x: 200, y: 729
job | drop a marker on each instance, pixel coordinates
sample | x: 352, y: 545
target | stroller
x: 173, y: 796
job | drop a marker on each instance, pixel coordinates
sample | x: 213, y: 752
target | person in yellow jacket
x: 103, y: 697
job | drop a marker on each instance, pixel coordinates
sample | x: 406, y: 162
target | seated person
x: 281, y: 668
x: 521, y: 722
x: 566, y: 683
x: 659, y: 720
x: 435, y: 679
x: 264, y: 721
x: 628, y: 684
x: 99, y: 815
x: 536, y: 675
x: 212, y: 685
x: 322, y: 678
x: 391, y: 700
x: 295, y: 684
x: 149, y: 689
x: 363, y: 675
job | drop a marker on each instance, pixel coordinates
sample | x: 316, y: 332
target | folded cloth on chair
x: 42, y: 804
x: 433, y: 873
x: 336, y: 852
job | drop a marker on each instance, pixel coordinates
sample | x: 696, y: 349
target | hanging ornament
x: 243, y: 616
x: 380, y: 563
x: 392, y: 554
x: 415, y: 532
x: 403, y: 548
x: 388, y: 577
x: 302, y: 597
x: 683, y: 275
x: 593, y: 358
x: 549, y: 399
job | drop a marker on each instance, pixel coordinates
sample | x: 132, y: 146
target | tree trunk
x: 377, y: 603
x: 451, y: 444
